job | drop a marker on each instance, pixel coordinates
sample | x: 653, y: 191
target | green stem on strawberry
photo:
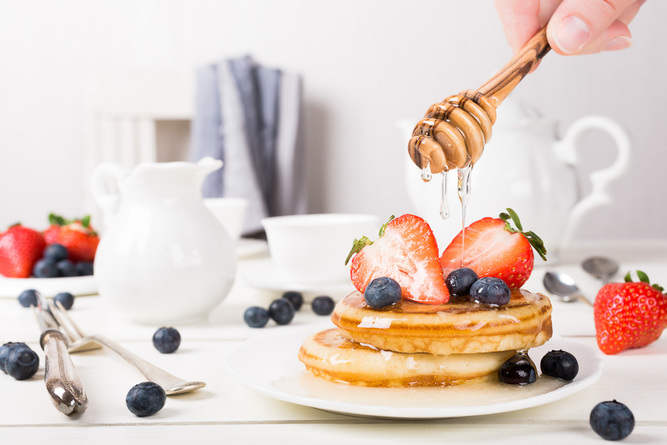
x: 57, y: 220
x: 534, y: 240
x: 644, y: 279
x: 360, y: 243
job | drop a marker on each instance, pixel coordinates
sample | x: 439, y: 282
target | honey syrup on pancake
x: 518, y: 299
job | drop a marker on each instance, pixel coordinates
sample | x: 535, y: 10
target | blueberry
x: 323, y: 305
x: 66, y: 268
x: 296, y: 298
x: 256, y: 317
x: 4, y: 352
x: 56, y: 252
x: 459, y: 281
x: 84, y: 268
x: 66, y: 299
x: 45, y: 268
x: 145, y: 399
x: 166, y: 340
x: 281, y: 310
x: 28, y: 298
x: 517, y: 370
x: 382, y: 292
x: 22, y: 362
x: 559, y: 364
x: 612, y: 420
x: 490, y: 290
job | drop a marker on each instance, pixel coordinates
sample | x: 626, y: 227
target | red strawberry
x: 629, y: 315
x: 80, y: 240
x: 20, y: 248
x: 51, y: 234
x: 405, y: 251
x: 494, y: 249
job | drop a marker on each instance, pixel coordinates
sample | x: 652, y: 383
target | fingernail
x: 571, y: 34
x: 618, y: 43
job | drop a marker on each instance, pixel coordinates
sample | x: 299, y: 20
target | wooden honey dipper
x: 454, y: 131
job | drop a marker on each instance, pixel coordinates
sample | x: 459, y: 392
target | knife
x: 62, y: 381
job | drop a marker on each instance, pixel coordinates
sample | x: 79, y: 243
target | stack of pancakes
x: 415, y: 344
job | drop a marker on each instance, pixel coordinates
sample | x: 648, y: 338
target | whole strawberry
x: 629, y: 315
x: 80, y: 239
x: 55, y: 223
x: 493, y: 248
x: 20, y: 248
x: 407, y: 252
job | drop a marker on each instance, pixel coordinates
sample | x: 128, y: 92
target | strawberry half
x: 405, y: 251
x: 20, y: 248
x: 494, y: 249
x: 629, y: 315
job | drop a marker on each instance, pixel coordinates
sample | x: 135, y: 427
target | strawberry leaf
x: 362, y: 242
x: 56, y: 220
x: 357, y: 245
x: 534, y: 240
x: 384, y: 226
x: 643, y: 277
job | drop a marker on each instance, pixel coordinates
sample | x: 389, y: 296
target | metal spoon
x: 563, y: 286
x: 601, y: 268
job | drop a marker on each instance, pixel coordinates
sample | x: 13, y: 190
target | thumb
x: 578, y: 27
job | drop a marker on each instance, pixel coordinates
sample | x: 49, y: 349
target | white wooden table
x: 227, y: 412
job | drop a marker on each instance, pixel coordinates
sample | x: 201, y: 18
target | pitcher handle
x: 600, y: 179
x: 104, y: 188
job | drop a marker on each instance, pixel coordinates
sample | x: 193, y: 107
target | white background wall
x: 366, y: 64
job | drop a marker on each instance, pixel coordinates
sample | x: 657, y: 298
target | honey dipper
x: 454, y: 131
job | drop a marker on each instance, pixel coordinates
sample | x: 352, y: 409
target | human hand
x: 574, y: 26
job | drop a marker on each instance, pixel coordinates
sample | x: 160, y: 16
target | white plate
x: 282, y: 376
x: 262, y: 274
x: 12, y: 287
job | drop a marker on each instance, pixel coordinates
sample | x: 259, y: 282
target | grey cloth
x: 240, y: 179
x: 250, y: 117
x: 205, y: 138
x: 289, y: 191
x: 269, y: 89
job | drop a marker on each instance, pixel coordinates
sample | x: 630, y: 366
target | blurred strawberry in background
x: 20, y: 248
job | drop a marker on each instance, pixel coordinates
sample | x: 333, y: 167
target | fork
x: 79, y: 342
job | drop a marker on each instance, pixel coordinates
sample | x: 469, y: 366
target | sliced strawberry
x: 20, y: 248
x: 492, y: 248
x: 405, y: 251
x: 629, y: 315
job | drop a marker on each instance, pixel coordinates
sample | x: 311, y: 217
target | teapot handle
x: 104, y: 188
x: 600, y: 179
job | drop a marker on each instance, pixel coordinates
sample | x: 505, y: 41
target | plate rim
x: 386, y: 412
x: 86, y: 282
x: 253, y: 279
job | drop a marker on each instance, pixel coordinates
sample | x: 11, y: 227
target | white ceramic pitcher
x: 164, y: 257
x: 525, y: 167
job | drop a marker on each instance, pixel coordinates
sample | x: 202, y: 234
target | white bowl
x: 312, y: 248
x: 230, y: 212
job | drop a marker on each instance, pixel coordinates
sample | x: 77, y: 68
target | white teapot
x: 524, y: 167
x: 164, y: 257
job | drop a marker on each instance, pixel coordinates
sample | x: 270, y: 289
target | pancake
x: 331, y: 356
x: 458, y: 327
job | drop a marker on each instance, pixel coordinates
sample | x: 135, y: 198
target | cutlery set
x: 62, y: 336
